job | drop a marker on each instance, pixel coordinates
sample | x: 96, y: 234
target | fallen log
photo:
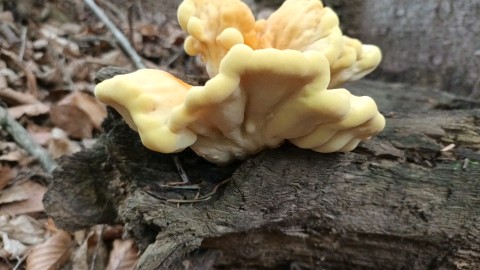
x: 407, y: 199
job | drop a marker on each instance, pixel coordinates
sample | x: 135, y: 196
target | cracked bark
x: 397, y: 202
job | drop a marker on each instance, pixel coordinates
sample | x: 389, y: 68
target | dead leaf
x: 18, y: 233
x: 74, y: 121
x: 60, y: 145
x: 49, y: 75
x: 3, y: 82
x: 41, y: 137
x: 15, y: 193
x: 13, y: 156
x: 62, y: 45
x: 28, y: 110
x: 51, y: 254
x: 5, y: 266
x: 79, y: 70
x: 23, y: 228
x: 31, y: 80
x: 149, y: 30
x: 80, y: 257
x: 12, y: 77
x: 78, y: 114
x: 14, y: 247
x: 112, y: 232
x: 16, y: 97
x: 91, y: 106
x: 7, y: 174
x: 110, y: 58
x: 40, y: 44
x: 124, y: 255
x: 22, y: 199
x: 90, y: 248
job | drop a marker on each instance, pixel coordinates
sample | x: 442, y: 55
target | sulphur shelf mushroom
x: 270, y: 82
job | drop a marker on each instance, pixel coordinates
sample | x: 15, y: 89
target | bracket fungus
x: 271, y: 81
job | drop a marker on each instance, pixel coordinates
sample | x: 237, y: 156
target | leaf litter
x: 49, y: 54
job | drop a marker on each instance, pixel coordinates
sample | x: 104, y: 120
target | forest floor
x: 48, y: 60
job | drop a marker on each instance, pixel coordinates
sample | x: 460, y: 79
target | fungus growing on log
x: 270, y: 82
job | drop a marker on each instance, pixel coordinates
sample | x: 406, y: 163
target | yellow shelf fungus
x: 269, y: 83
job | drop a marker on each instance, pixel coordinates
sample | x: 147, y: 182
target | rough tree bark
x: 431, y: 42
x: 397, y: 202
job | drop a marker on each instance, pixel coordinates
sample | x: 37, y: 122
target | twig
x: 203, y: 198
x: 114, y: 8
x: 181, y: 171
x: 130, y: 23
x: 137, y: 60
x: 21, y: 136
x: 20, y: 262
x: 21, y: 52
x: 97, y: 247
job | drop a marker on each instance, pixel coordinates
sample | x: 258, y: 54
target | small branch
x: 137, y: 60
x: 21, y: 52
x: 97, y: 247
x: 181, y: 171
x: 21, y: 136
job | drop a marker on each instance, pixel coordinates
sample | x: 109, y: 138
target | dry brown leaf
x: 13, y: 156
x: 50, y: 75
x: 41, y: 137
x: 18, y: 233
x: 110, y: 58
x: 51, y: 254
x: 90, y: 248
x: 60, y: 145
x: 15, y: 97
x: 5, y: 266
x: 149, y: 30
x: 28, y: 110
x: 23, y: 228
x: 23, y: 199
x: 12, y: 77
x: 62, y: 45
x: 83, y: 86
x: 74, y: 121
x: 80, y: 257
x: 112, y: 232
x: 79, y: 70
x: 7, y: 174
x: 3, y: 82
x: 91, y: 106
x: 77, y: 114
x: 14, y: 193
x: 30, y: 77
x: 124, y: 255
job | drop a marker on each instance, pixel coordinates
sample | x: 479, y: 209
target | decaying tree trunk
x: 397, y: 202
